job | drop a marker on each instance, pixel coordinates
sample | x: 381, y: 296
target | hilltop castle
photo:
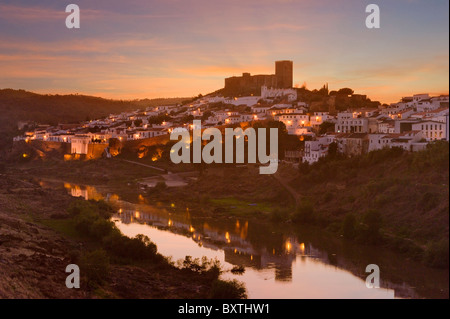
x: 282, y: 79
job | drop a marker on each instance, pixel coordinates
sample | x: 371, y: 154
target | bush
x: 91, y: 219
x: 100, y: 208
x: 228, y: 289
x: 101, y: 228
x: 83, y: 222
x: 278, y: 215
x: 304, y: 168
x: 211, y: 268
x: 139, y: 248
x: 95, y: 266
x: 304, y: 213
x: 349, y: 227
x: 437, y: 254
x: 370, y: 234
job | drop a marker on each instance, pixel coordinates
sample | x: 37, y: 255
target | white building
x: 431, y: 130
x: 314, y: 150
x: 257, y: 109
x: 79, y: 144
x: 267, y: 93
x: 351, y: 122
x: 245, y: 100
x: 296, y: 123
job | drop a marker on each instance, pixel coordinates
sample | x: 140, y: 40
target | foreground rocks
x: 33, y: 257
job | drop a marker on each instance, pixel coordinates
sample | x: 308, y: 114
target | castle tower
x: 284, y: 72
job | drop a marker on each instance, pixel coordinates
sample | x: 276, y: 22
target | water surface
x: 281, y: 261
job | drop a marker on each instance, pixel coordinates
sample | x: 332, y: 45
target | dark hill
x: 21, y: 105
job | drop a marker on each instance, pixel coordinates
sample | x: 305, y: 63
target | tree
x: 332, y: 150
x: 305, y: 212
x: 326, y: 127
x: 372, y: 220
x: 206, y: 115
x: 323, y: 90
x: 158, y: 119
x: 187, y: 119
x: 345, y: 91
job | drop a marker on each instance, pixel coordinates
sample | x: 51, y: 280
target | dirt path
x: 150, y: 166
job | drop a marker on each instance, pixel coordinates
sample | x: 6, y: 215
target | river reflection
x: 280, y: 261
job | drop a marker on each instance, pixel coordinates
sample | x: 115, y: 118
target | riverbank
x: 38, y: 241
x: 388, y: 198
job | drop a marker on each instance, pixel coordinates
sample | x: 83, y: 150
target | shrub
x: 83, y: 222
x: 228, y: 289
x: 349, y: 227
x: 139, y: 248
x: 305, y: 212
x: 437, y: 254
x: 370, y: 234
x: 101, y: 228
x: 304, y: 168
x: 278, y: 215
x: 95, y: 266
x: 211, y: 268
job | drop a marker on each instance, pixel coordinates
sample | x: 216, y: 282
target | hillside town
x: 410, y: 123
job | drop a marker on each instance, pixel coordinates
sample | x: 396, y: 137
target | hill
x: 20, y: 105
x: 385, y: 197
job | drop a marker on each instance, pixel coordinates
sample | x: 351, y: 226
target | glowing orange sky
x: 147, y: 49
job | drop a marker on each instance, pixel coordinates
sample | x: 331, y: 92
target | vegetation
x: 228, y: 289
x: 20, y: 105
x: 91, y: 220
x: 386, y: 197
x: 95, y: 267
x: 326, y: 127
x: 209, y: 268
x: 158, y: 119
x: 305, y: 212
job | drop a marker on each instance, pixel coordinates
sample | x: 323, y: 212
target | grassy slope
x: 38, y: 240
x: 409, y: 191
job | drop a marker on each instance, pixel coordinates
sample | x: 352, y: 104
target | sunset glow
x: 139, y: 49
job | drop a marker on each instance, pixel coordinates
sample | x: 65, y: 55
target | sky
x: 179, y: 48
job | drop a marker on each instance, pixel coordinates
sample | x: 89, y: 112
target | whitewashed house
x: 79, y: 144
x: 431, y: 130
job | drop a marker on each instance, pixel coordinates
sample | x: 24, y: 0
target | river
x: 281, y: 261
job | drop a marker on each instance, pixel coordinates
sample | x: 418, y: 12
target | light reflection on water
x: 277, y: 263
x: 267, y: 275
